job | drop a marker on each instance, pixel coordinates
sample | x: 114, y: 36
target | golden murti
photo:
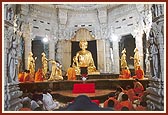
x: 84, y: 58
x: 136, y: 59
x: 123, y: 59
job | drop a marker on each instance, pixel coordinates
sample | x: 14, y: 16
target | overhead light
x: 45, y: 39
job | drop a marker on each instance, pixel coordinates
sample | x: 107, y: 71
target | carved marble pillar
x: 138, y: 42
x: 108, y: 57
x: 12, y: 93
x: 156, y: 87
x: 101, y: 56
x: 28, y: 41
x: 116, y: 67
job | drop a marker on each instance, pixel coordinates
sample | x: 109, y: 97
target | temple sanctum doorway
x: 128, y: 42
x: 38, y: 47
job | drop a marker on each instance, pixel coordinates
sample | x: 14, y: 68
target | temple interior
x: 63, y: 46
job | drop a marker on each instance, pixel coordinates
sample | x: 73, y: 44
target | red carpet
x: 84, y: 88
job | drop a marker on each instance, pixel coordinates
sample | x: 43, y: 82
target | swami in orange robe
x: 138, y: 88
x: 110, y: 98
x: 131, y: 94
x: 71, y: 73
x: 39, y: 75
x: 28, y: 77
x: 125, y: 73
x: 139, y: 73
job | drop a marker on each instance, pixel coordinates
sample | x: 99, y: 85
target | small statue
x: 44, y: 64
x: 84, y: 58
x: 12, y: 59
x: 136, y: 58
x: 75, y: 65
x: 31, y: 63
x: 56, y: 73
x: 153, y: 53
x: 123, y: 59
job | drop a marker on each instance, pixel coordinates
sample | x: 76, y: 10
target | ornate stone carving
x: 156, y: 86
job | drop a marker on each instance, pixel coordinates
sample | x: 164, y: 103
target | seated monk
x: 28, y: 77
x: 130, y: 92
x: 21, y: 77
x: 124, y: 103
x: 39, y: 75
x: 111, y: 96
x: 139, y: 73
x: 138, y: 88
x: 71, y: 73
x: 126, y: 74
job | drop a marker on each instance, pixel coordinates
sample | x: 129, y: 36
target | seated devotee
x: 119, y: 92
x: 48, y: 101
x: 38, y: 75
x: 21, y: 77
x: 141, y: 107
x: 111, y: 96
x: 138, y: 88
x: 126, y: 74
x: 124, y: 108
x: 131, y: 94
x: 34, y: 105
x: 71, y: 73
x: 82, y: 103
x: 110, y: 105
x: 26, y: 105
x: 84, y: 58
x: 139, y: 73
x: 125, y: 102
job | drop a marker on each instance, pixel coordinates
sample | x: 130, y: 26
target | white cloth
x: 26, y: 99
x: 34, y: 105
x: 120, y: 97
x: 49, y: 103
